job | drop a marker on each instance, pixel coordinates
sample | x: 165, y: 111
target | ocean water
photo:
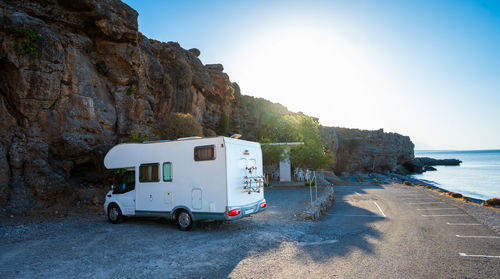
x: 478, y: 176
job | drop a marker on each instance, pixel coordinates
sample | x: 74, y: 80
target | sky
x: 428, y: 69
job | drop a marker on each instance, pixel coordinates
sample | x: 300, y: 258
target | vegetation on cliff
x: 179, y: 125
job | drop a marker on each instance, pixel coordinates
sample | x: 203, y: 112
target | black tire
x: 183, y: 220
x: 115, y: 215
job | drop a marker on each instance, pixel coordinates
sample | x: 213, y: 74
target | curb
x: 320, y: 207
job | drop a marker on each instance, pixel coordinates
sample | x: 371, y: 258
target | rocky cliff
x: 366, y: 151
x: 77, y: 77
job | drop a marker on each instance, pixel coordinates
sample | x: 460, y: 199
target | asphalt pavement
x: 385, y: 232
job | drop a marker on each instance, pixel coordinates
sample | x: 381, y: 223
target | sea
x: 477, y: 177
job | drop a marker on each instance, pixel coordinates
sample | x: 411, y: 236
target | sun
x: 310, y: 69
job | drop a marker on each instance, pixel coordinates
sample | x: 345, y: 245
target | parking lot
x: 370, y: 232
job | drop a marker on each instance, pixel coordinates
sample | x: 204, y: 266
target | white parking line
x: 444, y: 208
x: 463, y: 224
x: 448, y: 215
x: 478, y: 256
x: 379, y: 209
x: 424, y: 202
x: 318, y: 242
x: 478, y: 236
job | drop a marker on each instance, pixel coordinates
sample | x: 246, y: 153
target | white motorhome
x: 188, y: 179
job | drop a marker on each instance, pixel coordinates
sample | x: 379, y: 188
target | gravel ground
x: 141, y: 247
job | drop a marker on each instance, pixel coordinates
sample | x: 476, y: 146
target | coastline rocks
x: 422, y: 164
x: 429, y: 168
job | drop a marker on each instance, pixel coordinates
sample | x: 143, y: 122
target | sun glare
x: 311, y: 70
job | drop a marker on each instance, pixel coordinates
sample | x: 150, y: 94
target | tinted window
x: 204, y: 153
x: 149, y: 173
x: 167, y: 171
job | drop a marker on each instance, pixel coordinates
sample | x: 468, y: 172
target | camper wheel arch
x: 115, y: 215
x: 188, y: 217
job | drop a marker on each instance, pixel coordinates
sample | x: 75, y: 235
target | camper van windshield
x: 124, y: 183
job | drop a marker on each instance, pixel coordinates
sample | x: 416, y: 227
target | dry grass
x: 408, y: 183
x: 455, y: 195
x: 465, y: 199
x: 492, y: 202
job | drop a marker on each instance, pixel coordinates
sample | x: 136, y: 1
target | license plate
x: 248, y: 211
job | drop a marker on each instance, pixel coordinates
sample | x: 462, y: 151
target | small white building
x: 285, y: 169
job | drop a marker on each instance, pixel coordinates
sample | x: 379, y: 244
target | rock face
x: 89, y: 81
x: 77, y: 77
x: 365, y: 151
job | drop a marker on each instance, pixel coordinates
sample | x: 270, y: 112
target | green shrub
x: 28, y: 39
x: 65, y: 82
x: 272, y: 154
x: 179, y: 125
x: 408, y: 183
x: 207, y: 132
x: 312, y: 183
x: 492, y: 202
x: 147, y: 136
x: 101, y: 67
x: 223, y: 124
x: 130, y: 91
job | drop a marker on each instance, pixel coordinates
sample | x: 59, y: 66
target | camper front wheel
x: 114, y: 213
x: 184, y: 220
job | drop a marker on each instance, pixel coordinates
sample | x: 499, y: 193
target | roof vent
x: 236, y: 136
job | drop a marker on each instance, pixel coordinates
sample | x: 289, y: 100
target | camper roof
x: 128, y: 155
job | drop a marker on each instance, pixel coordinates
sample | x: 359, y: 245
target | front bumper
x: 245, y: 210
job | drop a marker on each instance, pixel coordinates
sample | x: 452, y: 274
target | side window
x: 204, y: 153
x: 167, y: 171
x: 149, y: 173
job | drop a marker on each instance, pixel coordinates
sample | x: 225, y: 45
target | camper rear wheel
x: 184, y: 220
x: 115, y: 215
